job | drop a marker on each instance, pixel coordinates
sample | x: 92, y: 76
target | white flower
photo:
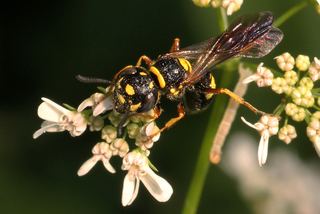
x: 313, y: 132
x: 231, y: 5
x: 58, y: 119
x: 302, y: 62
x: 138, y: 168
x: 148, y: 134
x: 267, y: 126
x: 99, y: 103
x: 314, y: 70
x: 101, y: 152
x: 285, y: 61
x: 287, y: 133
x: 263, y: 77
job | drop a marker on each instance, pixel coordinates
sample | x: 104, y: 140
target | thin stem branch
x: 290, y: 12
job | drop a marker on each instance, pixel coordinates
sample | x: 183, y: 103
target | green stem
x: 290, y: 12
x: 222, y: 19
x: 202, y: 165
x: 192, y: 199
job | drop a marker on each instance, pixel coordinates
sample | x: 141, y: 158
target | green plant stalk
x: 192, y: 199
x: 289, y: 13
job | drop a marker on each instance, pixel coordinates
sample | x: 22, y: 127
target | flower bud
x: 279, y: 85
x: 285, y: 61
x: 133, y: 130
x: 314, y: 69
x: 109, y: 133
x: 302, y: 62
x: 287, y: 133
x: 96, y: 123
x: 291, y: 77
x: 306, y: 82
x: 119, y: 147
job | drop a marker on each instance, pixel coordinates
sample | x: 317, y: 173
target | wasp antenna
x: 85, y: 79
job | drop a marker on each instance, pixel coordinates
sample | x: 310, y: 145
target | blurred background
x: 44, y: 44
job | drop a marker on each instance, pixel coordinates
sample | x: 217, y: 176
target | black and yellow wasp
x: 183, y: 75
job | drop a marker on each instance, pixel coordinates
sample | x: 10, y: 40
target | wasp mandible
x: 183, y: 75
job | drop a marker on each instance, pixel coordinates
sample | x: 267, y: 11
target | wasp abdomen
x: 197, y: 99
x: 134, y: 91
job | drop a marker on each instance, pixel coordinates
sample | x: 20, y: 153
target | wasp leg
x: 146, y: 60
x: 172, y: 121
x: 237, y: 98
x: 175, y: 45
x: 123, y: 120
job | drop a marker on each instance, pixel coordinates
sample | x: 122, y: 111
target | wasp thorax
x: 134, y: 91
x: 170, y: 73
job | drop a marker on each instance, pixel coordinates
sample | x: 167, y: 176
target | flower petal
x: 86, y: 103
x: 87, y: 166
x: 248, y: 123
x: 130, y: 190
x: 47, y: 126
x: 263, y: 148
x: 107, y: 165
x: 158, y: 187
x: 49, y: 110
x: 105, y: 105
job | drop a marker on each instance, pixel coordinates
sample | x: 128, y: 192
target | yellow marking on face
x: 213, y: 82
x: 143, y: 73
x: 121, y: 99
x: 151, y: 85
x: 185, y: 64
x: 135, y: 107
x: 129, y: 90
x: 159, y: 76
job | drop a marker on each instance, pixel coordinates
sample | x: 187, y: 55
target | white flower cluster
x: 297, y: 84
x: 139, y: 128
x: 231, y: 6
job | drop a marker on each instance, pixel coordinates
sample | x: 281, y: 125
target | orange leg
x: 236, y: 98
x: 172, y: 121
x: 175, y: 45
x: 145, y: 59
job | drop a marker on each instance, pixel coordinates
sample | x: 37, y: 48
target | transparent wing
x: 194, y: 51
x: 249, y: 36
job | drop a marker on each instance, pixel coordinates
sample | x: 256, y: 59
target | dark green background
x: 45, y: 44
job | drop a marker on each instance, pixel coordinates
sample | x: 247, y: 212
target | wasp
x: 184, y: 75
